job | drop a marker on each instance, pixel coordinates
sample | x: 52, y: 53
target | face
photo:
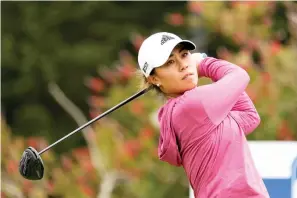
x: 178, y: 74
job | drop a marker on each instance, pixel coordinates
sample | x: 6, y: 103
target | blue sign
x: 276, y: 162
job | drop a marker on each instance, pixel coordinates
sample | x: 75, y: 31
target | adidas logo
x: 145, y: 67
x: 165, y: 38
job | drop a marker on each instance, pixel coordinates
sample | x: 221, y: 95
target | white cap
x: 156, y: 49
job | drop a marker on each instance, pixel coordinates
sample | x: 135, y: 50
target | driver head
x: 31, y: 165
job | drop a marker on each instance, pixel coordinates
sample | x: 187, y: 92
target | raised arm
x: 230, y: 81
x: 245, y: 114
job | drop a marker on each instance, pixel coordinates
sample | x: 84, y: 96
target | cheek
x: 165, y: 76
x: 176, y: 84
x: 169, y: 79
x: 172, y: 82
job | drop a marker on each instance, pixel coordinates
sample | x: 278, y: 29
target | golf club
x: 31, y: 165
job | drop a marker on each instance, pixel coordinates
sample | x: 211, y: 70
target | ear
x: 153, y: 79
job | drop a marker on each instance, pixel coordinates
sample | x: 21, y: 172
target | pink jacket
x: 204, y: 131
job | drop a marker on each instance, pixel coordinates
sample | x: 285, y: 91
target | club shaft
x: 96, y: 118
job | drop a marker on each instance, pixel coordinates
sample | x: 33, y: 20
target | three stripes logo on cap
x: 145, y: 67
x: 165, y: 38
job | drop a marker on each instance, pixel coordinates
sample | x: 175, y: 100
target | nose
x: 182, y: 64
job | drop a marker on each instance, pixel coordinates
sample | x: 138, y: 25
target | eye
x: 170, y: 62
x: 185, y: 54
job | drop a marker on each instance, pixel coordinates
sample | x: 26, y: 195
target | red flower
x: 266, y: 77
x: 251, y: 3
x: 239, y: 37
x: 275, y: 47
x: 86, y: 165
x: 95, y: 84
x: 126, y: 71
x: 234, y: 3
x: 96, y: 101
x: 247, y: 3
x: 109, y: 76
x: 27, y: 186
x: 252, y: 44
x: 80, y: 180
x: 176, y: 19
x: 195, y: 6
x: 81, y: 153
x: 12, y: 166
x: 146, y: 133
x: 87, y: 190
x: 131, y: 148
x: 267, y: 21
x: 137, y: 107
x: 284, y: 132
x: 33, y: 141
x: 137, y: 41
x: 50, y: 186
x: 94, y: 113
x: 252, y: 94
x: 66, y: 163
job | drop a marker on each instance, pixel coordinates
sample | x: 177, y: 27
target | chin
x: 192, y: 86
x: 189, y: 87
x: 186, y: 86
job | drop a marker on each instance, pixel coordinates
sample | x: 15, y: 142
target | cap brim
x: 188, y: 44
x: 165, y: 54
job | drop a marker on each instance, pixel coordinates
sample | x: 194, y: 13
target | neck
x: 170, y: 96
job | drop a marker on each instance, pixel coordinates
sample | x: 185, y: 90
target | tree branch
x: 108, y: 184
x: 109, y: 177
x: 11, y: 188
x: 80, y: 119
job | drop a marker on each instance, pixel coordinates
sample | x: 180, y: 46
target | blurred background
x: 63, y: 63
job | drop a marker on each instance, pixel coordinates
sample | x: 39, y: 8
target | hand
x: 197, y: 58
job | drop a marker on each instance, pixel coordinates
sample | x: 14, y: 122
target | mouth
x: 187, y: 75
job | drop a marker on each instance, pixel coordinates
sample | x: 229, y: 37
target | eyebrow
x: 181, y: 49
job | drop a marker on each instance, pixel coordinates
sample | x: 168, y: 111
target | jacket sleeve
x: 245, y: 114
x: 230, y: 81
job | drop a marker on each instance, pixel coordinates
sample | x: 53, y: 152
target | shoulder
x: 190, y: 98
x: 189, y: 111
x: 186, y: 105
x: 189, y: 104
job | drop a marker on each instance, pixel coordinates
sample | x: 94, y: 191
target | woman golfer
x: 203, y: 128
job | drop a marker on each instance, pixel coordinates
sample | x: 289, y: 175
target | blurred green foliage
x: 64, y: 42
x: 118, y: 155
x: 256, y: 36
